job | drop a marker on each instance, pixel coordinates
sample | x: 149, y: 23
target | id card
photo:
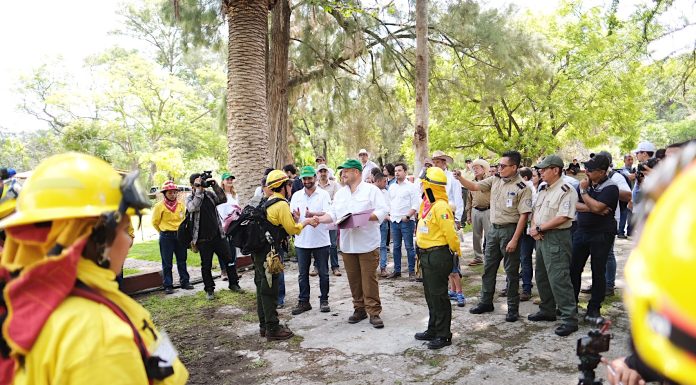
x: 510, y: 197
x: 165, y: 350
x: 424, y: 229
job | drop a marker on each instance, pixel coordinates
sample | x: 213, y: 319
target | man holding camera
x: 207, y: 233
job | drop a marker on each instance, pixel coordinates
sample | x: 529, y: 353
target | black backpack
x: 252, y: 232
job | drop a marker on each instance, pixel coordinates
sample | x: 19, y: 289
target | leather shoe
x: 394, y: 275
x: 539, y: 316
x: 262, y: 332
x: 525, y: 296
x: 357, y: 316
x: 439, y: 343
x: 383, y: 273
x: 168, y: 290
x: 425, y: 336
x: 586, y: 290
x: 236, y: 288
x: 337, y: 272
x: 188, y: 286
x: 512, y: 317
x: 481, y: 308
x: 282, y: 333
x: 566, y: 330
x: 376, y: 322
x: 301, y: 308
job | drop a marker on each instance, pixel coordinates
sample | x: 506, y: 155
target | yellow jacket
x: 438, y: 228
x: 165, y: 220
x: 280, y: 214
x: 84, y: 342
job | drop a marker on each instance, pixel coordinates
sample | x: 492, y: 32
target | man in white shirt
x: 454, y: 188
x: 360, y: 245
x: 380, y: 180
x: 307, y: 203
x: 330, y: 186
x: 321, y: 161
x: 367, y: 164
x: 404, y: 201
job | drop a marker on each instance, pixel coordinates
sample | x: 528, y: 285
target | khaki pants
x: 480, y: 221
x: 362, y: 278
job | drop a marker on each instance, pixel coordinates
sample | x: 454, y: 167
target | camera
x: 651, y: 163
x: 589, y: 348
x: 207, y: 179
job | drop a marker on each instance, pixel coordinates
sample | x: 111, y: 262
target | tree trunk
x: 420, y: 136
x: 278, y: 84
x: 247, y: 117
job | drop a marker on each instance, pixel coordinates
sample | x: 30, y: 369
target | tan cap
x: 442, y: 156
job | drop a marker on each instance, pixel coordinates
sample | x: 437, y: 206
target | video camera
x: 207, y: 179
x: 589, y: 348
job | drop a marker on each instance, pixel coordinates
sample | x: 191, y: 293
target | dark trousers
x: 497, y: 239
x: 437, y: 266
x: 625, y: 219
x: 169, y: 246
x: 527, y: 244
x: 333, y: 249
x: 266, y: 295
x: 233, y: 255
x: 595, y: 246
x: 304, y: 259
x: 219, y: 246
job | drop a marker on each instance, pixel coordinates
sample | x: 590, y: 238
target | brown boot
x: 376, y: 322
x: 262, y: 332
x: 383, y: 273
x: 358, y: 315
x: 282, y: 333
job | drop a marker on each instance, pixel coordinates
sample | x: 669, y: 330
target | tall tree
x: 278, y: 84
x: 420, y: 136
x: 247, y: 114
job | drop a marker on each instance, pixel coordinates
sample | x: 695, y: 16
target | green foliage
x: 149, y: 251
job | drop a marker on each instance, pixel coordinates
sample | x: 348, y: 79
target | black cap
x: 599, y: 162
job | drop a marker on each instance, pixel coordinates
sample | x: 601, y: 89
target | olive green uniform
x: 510, y: 198
x: 554, y: 251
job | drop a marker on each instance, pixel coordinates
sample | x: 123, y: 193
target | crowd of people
x: 542, y: 222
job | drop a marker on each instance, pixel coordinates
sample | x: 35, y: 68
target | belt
x: 167, y: 232
x: 552, y: 230
x: 497, y: 226
x: 482, y: 208
x: 431, y: 249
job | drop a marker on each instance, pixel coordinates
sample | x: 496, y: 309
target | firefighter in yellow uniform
x: 438, y: 247
x: 279, y: 215
x: 67, y: 322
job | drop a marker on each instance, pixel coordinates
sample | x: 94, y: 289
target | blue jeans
x: 527, y: 244
x: 170, y: 246
x: 611, y: 266
x: 383, y: 245
x: 333, y: 249
x: 403, y: 231
x: 625, y: 219
x: 321, y: 258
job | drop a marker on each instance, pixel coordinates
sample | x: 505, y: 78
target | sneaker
x: 475, y: 262
x: 187, y: 286
x: 314, y: 272
x: 209, y: 295
x: 376, y: 322
x: 586, y: 290
x: 358, y: 315
x: 324, y: 307
x: 280, y: 306
x: 425, y: 336
x: 394, y: 275
x: 621, y: 236
x: 525, y: 296
x: 592, y: 316
x: 566, y: 330
x: 452, y: 295
x: 224, y: 275
x: 301, y: 308
x: 383, y: 273
x: 411, y: 276
x: 461, y: 300
x: 336, y: 272
x: 609, y: 292
x: 282, y: 333
x: 236, y: 288
x: 168, y: 290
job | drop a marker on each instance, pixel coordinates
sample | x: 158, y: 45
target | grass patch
x: 130, y: 271
x: 258, y: 363
x: 149, y: 251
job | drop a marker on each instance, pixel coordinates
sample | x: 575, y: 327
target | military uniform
x: 510, y: 198
x: 437, y: 239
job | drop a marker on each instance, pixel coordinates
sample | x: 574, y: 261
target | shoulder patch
x: 521, y: 185
x: 543, y: 187
x: 565, y: 188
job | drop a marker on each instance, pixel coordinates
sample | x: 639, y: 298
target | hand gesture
x: 458, y: 173
x: 308, y: 214
x: 619, y: 373
x: 584, y: 184
x: 296, y: 214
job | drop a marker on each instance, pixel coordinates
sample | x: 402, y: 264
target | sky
x: 36, y: 32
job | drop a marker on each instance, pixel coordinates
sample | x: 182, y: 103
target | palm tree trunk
x: 420, y: 136
x: 247, y: 117
x: 278, y: 84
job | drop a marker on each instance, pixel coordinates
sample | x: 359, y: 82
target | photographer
x: 207, y: 229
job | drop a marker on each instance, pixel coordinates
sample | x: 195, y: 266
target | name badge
x: 165, y: 350
x: 508, y: 201
x: 424, y: 229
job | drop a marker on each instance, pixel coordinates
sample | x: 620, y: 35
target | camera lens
x: 197, y: 185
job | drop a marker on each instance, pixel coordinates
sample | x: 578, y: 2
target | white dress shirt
x: 454, y: 194
x: 403, y: 197
x: 367, y: 168
x: 366, y: 238
x: 318, y: 202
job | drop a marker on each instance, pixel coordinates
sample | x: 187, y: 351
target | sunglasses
x: 502, y: 166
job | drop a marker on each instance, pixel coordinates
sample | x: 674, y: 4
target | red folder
x: 352, y: 220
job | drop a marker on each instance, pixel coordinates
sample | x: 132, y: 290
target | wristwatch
x: 538, y: 229
x: 583, y: 191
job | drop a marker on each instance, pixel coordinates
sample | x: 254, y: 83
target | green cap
x: 551, y: 160
x: 351, y: 163
x: 308, y: 172
x: 226, y: 175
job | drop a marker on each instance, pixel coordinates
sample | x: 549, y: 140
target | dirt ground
x: 219, y: 343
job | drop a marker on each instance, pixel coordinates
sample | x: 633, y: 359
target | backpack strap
x: 271, y: 202
x: 152, y: 368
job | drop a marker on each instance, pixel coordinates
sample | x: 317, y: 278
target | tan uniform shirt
x: 480, y: 199
x: 557, y: 200
x: 510, y: 198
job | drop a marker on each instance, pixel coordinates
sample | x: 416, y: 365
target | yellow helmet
x: 74, y: 185
x: 659, y: 275
x: 436, y: 176
x: 275, y: 179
